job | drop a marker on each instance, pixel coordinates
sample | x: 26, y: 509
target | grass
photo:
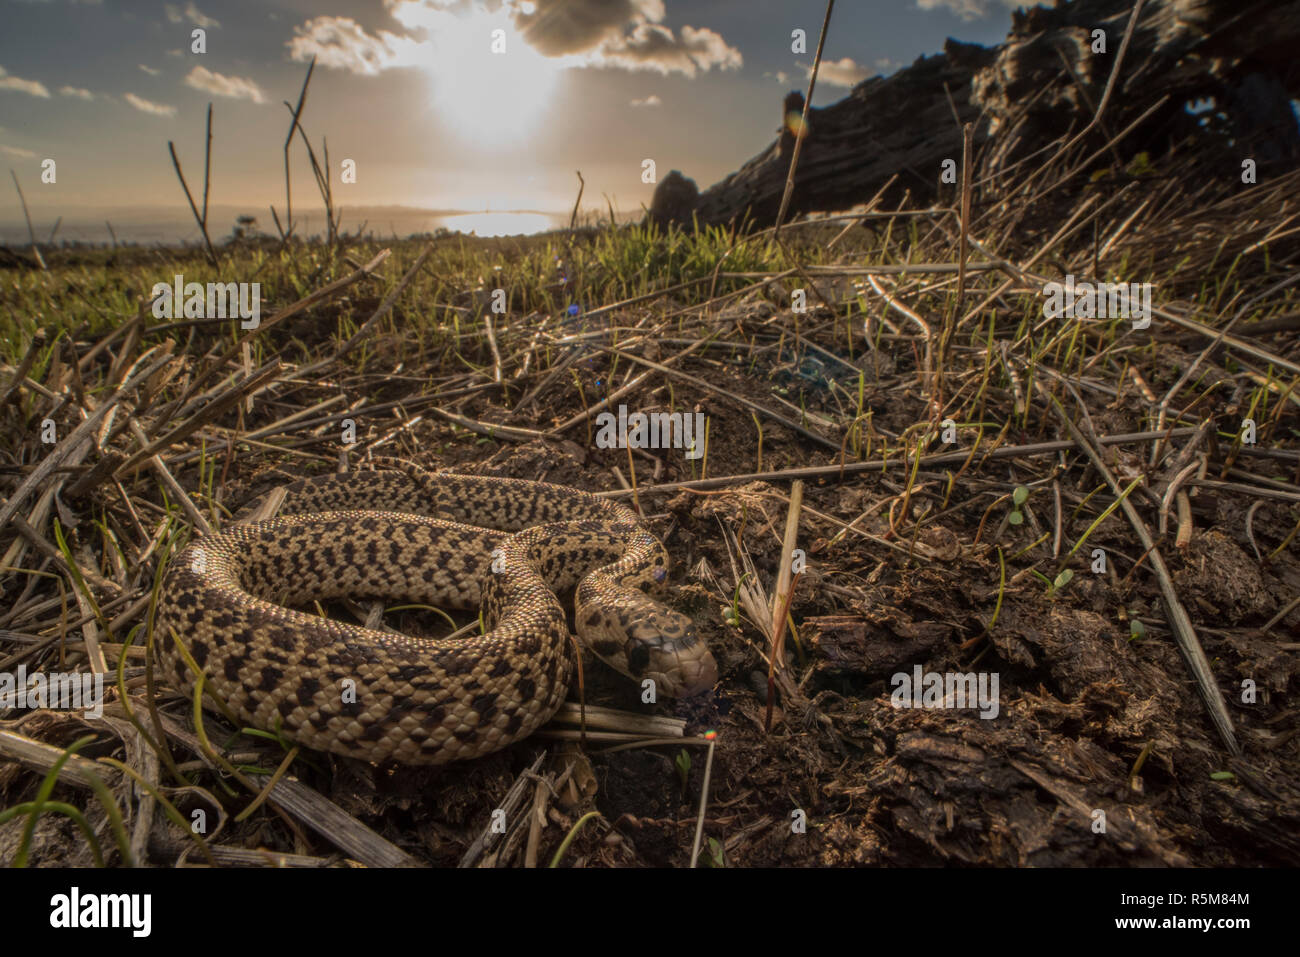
x: 548, y: 274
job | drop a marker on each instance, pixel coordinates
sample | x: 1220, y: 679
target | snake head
x: 645, y: 639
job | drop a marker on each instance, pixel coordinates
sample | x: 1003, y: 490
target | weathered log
x: 1043, y: 83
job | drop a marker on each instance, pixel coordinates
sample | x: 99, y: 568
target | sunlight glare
x: 488, y: 98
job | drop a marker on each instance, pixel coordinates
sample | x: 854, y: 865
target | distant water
x: 502, y: 224
x: 170, y: 226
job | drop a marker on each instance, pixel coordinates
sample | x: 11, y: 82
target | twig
x: 945, y: 338
x: 582, y: 184
x: 337, y: 826
x: 492, y: 344
x: 379, y: 313
x: 509, y: 804
x: 288, y: 141
x: 1179, y: 621
x: 200, y: 219
x: 68, y: 446
x: 800, y: 134
x: 173, y: 487
x: 879, y: 465
x: 36, y: 250
x: 249, y: 385
x: 704, y: 800
x: 25, y: 366
x: 207, y: 170
x: 490, y: 429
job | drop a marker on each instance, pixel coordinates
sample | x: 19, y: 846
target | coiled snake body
x: 505, y: 545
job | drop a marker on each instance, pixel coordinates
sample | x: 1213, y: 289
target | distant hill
x: 175, y: 224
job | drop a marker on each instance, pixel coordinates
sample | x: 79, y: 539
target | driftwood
x: 1043, y: 83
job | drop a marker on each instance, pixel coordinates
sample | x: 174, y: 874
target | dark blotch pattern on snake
x: 507, y: 546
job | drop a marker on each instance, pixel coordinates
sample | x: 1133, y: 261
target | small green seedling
x: 683, y: 765
x: 732, y: 615
x: 1061, y: 581
x: 1141, y: 165
x: 716, y: 857
x: 1018, y: 498
x: 1223, y: 776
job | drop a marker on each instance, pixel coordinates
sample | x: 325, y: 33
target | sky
x: 413, y: 93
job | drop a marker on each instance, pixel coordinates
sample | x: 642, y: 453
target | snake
x: 226, y: 621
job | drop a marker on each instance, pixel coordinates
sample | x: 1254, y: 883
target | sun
x: 489, y: 87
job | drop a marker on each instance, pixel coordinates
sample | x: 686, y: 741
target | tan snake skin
x: 507, y: 545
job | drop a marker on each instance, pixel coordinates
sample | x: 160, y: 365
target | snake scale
x: 507, y: 546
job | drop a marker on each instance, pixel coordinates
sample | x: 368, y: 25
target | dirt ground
x: 1081, y: 701
x: 881, y: 785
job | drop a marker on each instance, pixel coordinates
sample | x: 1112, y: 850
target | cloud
x: 18, y: 85
x: 650, y: 46
x: 559, y: 27
x: 190, y: 13
x: 969, y: 9
x: 235, y: 87
x: 145, y: 106
x: 650, y: 100
x: 620, y: 34
x: 78, y: 92
x: 341, y: 44
x: 148, y: 69
x: 841, y: 72
x: 17, y: 152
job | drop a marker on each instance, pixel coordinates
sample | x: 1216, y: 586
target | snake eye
x: 660, y: 573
